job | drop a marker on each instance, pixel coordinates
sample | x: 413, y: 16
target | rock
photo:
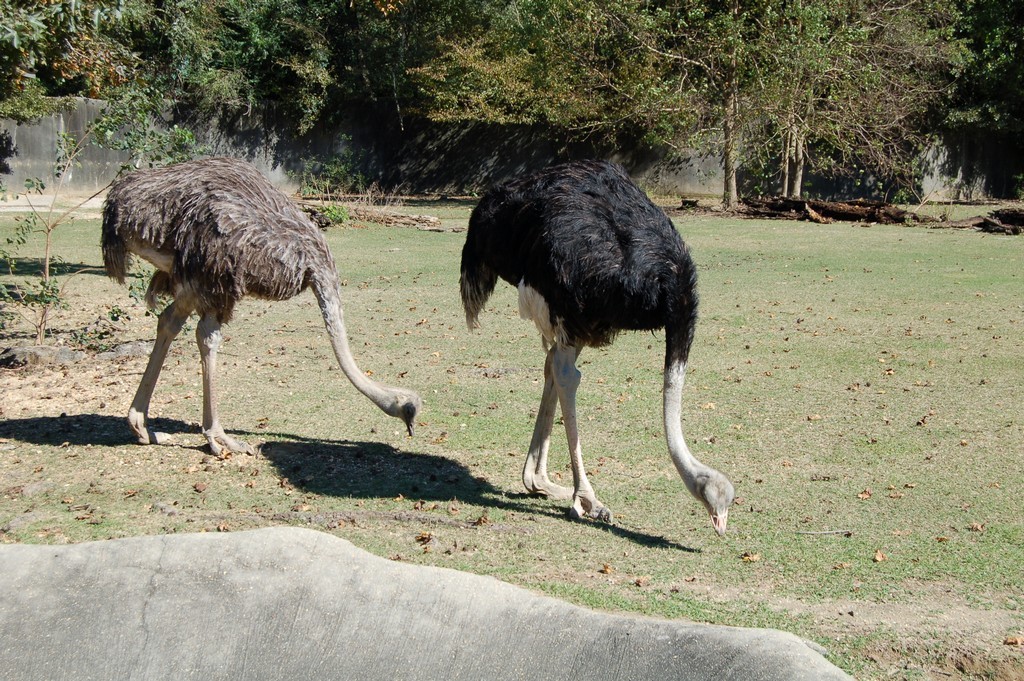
x: 37, y: 355
x: 133, y: 349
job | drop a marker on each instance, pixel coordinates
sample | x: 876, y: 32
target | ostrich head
x: 715, y: 491
x: 405, y: 405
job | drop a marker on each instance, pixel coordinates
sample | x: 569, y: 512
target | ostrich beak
x: 719, y: 521
x: 409, y: 427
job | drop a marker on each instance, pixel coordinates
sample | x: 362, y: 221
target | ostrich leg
x: 167, y: 328
x: 535, y: 470
x: 567, y: 380
x: 209, y: 338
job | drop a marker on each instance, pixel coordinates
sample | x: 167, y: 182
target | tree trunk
x: 786, y: 153
x: 731, y: 195
x: 730, y: 123
x: 797, y: 188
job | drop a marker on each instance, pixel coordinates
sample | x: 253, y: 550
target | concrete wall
x: 28, y: 151
x: 423, y: 157
x: 417, y: 157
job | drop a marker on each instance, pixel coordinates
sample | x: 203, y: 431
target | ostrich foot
x: 223, y: 445
x: 589, y: 508
x: 137, y: 422
x: 546, y: 488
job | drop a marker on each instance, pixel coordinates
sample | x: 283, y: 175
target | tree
x: 55, y: 48
x: 852, y: 86
x: 989, y: 91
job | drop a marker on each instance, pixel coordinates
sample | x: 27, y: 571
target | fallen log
x: 824, y: 212
x: 392, y: 219
x: 992, y: 223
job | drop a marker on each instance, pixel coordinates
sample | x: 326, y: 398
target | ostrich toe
x: 222, y: 444
x: 583, y: 508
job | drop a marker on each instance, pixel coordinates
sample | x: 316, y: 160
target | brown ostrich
x: 216, y: 230
x: 591, y: 256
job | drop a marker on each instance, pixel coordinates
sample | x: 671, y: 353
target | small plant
x: 100, y: 336
x: 39, y: 296
x: 338, y: 174
x: 337, y: 214
x: 903, y: 196
x: 1018, y: 183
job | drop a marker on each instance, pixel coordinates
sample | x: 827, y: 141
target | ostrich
x: 216, y: 230
x: 591, y: 256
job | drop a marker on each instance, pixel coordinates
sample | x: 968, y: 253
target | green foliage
x: 31, y: 103
x: 128, y: 124
x: 336, y: 214
x: 583, y: 67
x: 337, y: 174
x: 989, y: 93
x: 52, y: 49
x: 35, y: 296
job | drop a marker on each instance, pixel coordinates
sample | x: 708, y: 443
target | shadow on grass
x: 33, y: 267
x: 339, y: 468
x: 82, y: 429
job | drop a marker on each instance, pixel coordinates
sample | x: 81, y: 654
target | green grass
x: 855, y: 379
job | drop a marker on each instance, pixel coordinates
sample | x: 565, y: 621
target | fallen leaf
x: 749, y: 557
x: 910, y: 485
x: 1013, y: 641
x: 690, y: 579
x: 482, y: 520
x: 879, y: 557
x: 200, y: 487
x: 942, y: 539
x: 642, y: 581
x: 786, y: 463
x: 814, y: 417
x: 606, y: 569
x: 977, y: 527
x: 840, y: 566
x: 866, y: 494
x: 425, y: 537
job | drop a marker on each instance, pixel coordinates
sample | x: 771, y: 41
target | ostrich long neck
x: 328, y: 296
x: 687, y: 465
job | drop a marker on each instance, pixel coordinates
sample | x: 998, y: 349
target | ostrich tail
x: 476, y: 284
x: 116, y: 258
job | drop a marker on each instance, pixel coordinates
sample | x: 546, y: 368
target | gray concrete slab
x: 290, y: 603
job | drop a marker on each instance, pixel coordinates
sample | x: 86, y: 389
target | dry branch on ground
x: 378, y: 216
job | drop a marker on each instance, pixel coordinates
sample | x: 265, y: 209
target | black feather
x: 597, y: 249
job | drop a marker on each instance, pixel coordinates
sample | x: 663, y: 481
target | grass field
x: 861, y: 386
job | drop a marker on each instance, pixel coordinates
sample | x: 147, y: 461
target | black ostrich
x: 591, y: 256
x: 216, y: 230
